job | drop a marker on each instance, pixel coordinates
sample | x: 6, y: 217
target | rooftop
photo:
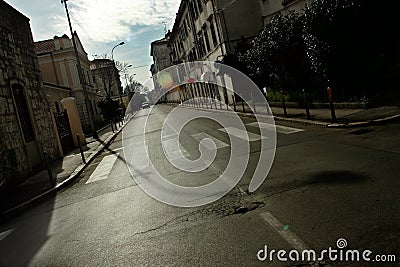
x: 45, y: 46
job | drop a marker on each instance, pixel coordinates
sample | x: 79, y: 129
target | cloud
x: 109, y: 20
x: 102, y: 24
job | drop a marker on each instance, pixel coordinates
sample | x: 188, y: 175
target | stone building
x: 60, y: 74
x: 160, y: 52
x: 106, y: 78
x: 270, y: 8
x: 26, y: 124
x: 206, y: 30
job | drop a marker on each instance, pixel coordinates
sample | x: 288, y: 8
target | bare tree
x: 108, y: 72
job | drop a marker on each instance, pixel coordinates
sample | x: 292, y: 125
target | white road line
x: 4, y: 234
x: 171, y: 147
x: 167, y: 137
x: 103, y: 169
x: 247, y: 136
x: 287, y: 235
x: 136, y: 152
x: 279, y: 128
x: 201, y: 136
x: 168, y: 130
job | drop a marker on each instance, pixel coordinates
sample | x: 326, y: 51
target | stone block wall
x: 19, y: 66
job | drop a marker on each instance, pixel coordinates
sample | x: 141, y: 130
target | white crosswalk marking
x: 171, y: 151
x: 118, y: 149
x: 247, y: 136
x: 201, y: 136
x: 4, y: 234
x: 103, y: 169
x: 279, y: 128
x: 136, y: 152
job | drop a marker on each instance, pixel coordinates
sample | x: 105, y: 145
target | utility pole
x: 117, y: 74
x: 80, y: 74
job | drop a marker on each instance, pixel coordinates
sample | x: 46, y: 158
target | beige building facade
x: 59, y: 70
x: 55, y: 93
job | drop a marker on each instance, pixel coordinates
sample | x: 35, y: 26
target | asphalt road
x: 324, y: 185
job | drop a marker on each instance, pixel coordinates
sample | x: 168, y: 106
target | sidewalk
x: 345, y: 117
x: 65, y: 169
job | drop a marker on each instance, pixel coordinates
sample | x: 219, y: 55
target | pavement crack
x: 169, y: 222
x: 235, y: 204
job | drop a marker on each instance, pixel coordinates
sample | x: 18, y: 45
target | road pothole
x: 236, y: 203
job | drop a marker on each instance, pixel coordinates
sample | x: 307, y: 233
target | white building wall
x: 272, y: 7
x: 232, y: 21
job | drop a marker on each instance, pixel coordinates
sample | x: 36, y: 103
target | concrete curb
x: 72, y: 178
x: 302, y: 121
x: 365, y: 123
x: 311, y: 122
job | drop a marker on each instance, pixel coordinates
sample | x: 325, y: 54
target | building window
x: 181, y: 49
x: 213, y: 35
x: 83, y: 75
x: 207, y: 41
x: 195, y: 9
x: 200, y: 5
x: 201, y: 46
x: 57, y: 106
x: 185, y: 28
x: 190, y: 58
x: 23, y: 112
x: 187, y: 25
x: 88, y: 76
x: 95, y: 107
x: 287, y: 2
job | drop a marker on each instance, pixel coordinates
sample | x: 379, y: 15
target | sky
x: 103, y: 24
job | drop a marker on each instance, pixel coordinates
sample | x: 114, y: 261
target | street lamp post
x: 112, y: 50
x: 81, y: 75
x: 112, y: 58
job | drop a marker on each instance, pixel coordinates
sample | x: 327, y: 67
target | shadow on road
x: 28, y: 234
x: 338, y: 177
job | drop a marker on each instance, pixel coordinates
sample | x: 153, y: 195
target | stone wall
x: 19, y: 67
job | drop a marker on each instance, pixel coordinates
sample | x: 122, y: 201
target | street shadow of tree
x: 338, y: 177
